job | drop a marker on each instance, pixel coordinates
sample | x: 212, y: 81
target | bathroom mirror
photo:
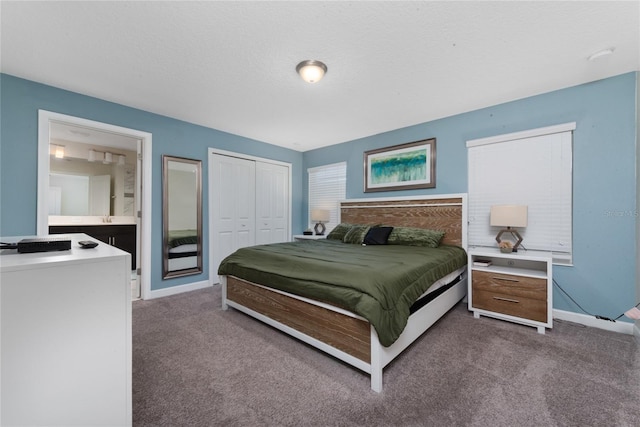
x: 181, y: 216
x: 80, y: 186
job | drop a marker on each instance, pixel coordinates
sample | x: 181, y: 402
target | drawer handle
x: 506, y: 279
x: 506, y: 300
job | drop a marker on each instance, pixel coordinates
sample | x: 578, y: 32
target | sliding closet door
x: 232, y: 206
x: 272, y: 203
x: 249, y: 204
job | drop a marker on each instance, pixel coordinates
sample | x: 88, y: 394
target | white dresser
x: 65, y: 348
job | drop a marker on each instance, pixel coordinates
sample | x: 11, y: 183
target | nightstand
x: 515, y: 286
x: 298, y: 237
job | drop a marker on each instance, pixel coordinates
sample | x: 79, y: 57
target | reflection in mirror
x: 181, y: 216
x: 82, y: 185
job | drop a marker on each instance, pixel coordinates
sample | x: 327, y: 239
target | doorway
x: 131, y: 148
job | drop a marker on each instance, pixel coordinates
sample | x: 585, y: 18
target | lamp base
x: 319, y: 229
x: 514, y: 233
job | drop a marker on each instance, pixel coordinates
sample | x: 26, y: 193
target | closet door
x: 272, y: 203
x: 232, y: 207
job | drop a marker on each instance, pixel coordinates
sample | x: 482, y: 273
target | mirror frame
x: 166, y: 272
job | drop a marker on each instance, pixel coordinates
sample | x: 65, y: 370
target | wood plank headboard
x: 447, y: 212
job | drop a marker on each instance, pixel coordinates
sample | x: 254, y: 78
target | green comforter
x: 182, y: 237
x: 380, y: 283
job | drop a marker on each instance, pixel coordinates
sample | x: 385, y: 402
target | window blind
x: 327, y: 186
x: 536, y: 171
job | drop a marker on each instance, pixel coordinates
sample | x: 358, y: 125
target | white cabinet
x: 515, y: 286
x: 65, y: 349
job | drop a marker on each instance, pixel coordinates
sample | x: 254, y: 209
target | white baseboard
x: 583, y: 319
x: 636, y: 332
x: 173, y: 290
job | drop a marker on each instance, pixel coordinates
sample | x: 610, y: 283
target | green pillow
x: 356, y: 234
x: 411, y: 236
x: 339, y: 231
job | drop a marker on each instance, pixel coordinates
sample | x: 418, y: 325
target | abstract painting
x: 401, y: 167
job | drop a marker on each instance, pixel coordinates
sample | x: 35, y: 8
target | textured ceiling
x: 231, y: 65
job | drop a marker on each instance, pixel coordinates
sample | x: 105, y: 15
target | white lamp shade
x: 108, y: 158
x: 92, y: 156
x: 509, y: 216
x: 320, y: 215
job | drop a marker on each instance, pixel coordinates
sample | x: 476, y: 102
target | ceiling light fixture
x: 600, y: 54
x: 59, y: 152
x: 311, y: 71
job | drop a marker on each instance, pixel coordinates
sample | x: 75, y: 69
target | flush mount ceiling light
x: 600, y: 54
x: 311, y: 71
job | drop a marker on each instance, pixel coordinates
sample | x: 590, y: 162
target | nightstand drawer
x: 513, y: 305
x: 510, y: 285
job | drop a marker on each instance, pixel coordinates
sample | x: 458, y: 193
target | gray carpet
x: 196, y: 365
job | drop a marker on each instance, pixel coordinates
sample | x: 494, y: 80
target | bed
x: 183, y: 249
x: 343, y: 328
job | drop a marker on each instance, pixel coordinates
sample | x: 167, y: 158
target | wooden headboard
x: 447, y: 212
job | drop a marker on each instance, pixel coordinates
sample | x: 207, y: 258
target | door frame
x: 213, y: 274
x: 45, y: 118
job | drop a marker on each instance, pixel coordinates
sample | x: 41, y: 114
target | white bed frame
x: 407, y: 211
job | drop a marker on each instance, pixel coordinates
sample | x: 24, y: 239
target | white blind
x: 327, y: 186
x: 535, y: 171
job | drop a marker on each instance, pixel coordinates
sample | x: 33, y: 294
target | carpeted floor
x: 196, y: 365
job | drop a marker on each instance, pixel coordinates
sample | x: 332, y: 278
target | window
x: 532, y: 168
x: 327, y: 186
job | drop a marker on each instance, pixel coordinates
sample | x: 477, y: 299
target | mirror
x: 92, y: 173
x: 181, y: 216
x: 81, y: 188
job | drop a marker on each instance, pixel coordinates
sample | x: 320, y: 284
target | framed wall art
x: 401, y: 167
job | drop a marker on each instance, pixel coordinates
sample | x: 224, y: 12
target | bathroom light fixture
x: 92, y: 156
x: 59, y: 152
x: 509, y: 216
x: 311, y: 70
x: 108, y: 158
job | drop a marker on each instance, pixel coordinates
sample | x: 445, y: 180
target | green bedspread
x: 182, y: 237
x: 379, y: 282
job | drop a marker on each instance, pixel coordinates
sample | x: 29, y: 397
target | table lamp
x: 509, y: 216
x: 319, y: 216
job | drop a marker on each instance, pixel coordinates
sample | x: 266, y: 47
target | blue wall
x: 603, y: 277
x: 20, y: 102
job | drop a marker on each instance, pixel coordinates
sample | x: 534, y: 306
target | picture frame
x: 401, y: 167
